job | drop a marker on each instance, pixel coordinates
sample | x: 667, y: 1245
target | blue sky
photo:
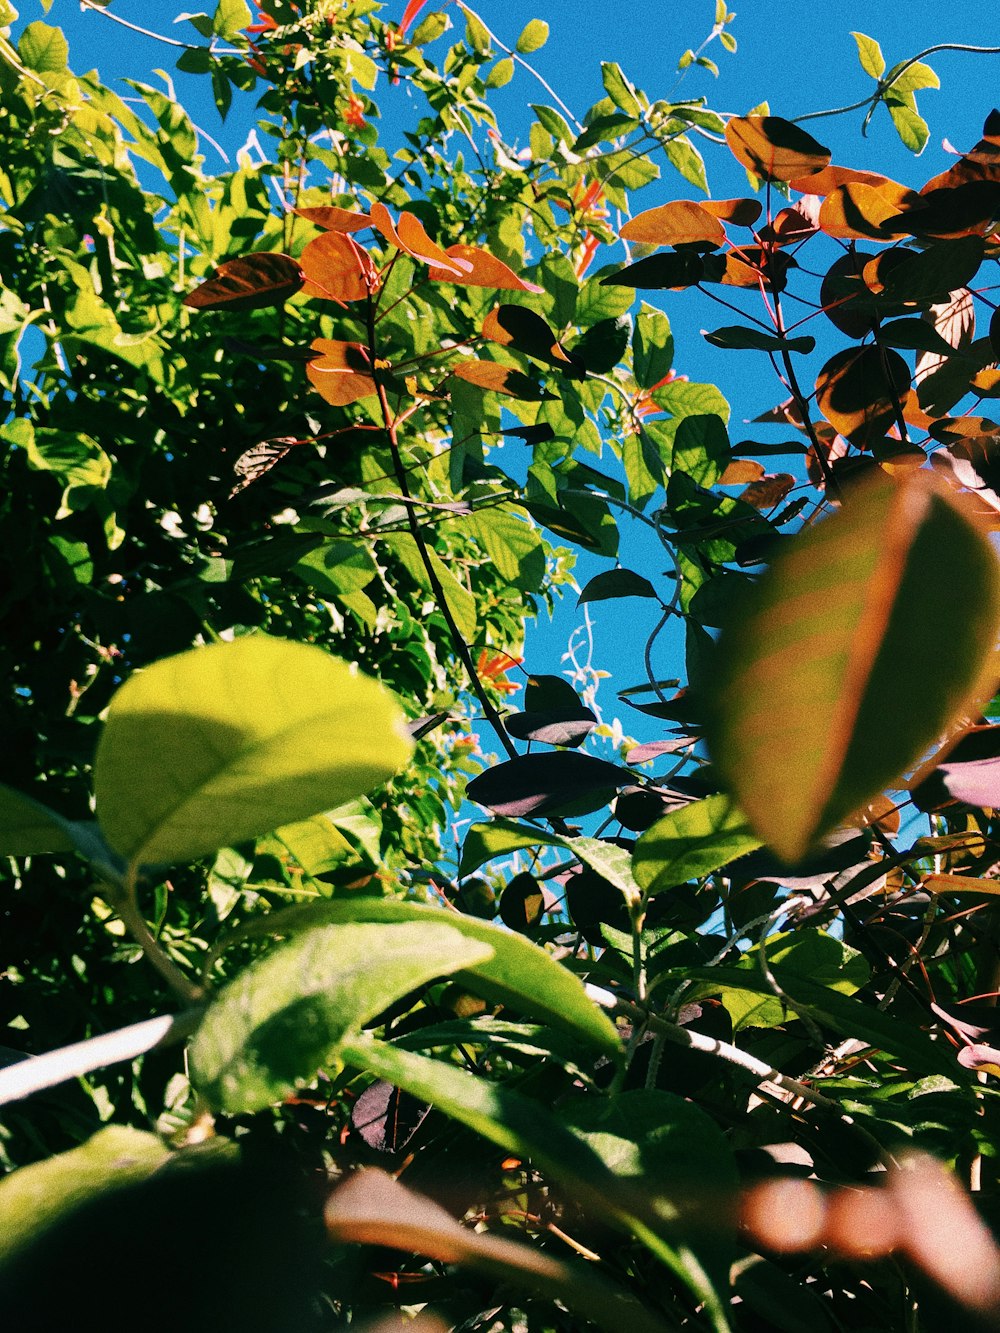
x: 800, y: 57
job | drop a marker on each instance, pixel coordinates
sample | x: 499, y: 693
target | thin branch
x: 83, y: 1057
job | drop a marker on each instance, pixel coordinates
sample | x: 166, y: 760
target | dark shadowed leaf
x: 387, y: 1117
x: 823, y: 691
x: 250, y: 283
x: 517, y: 327
x: 522, y: 902
x: 740, y: 337
x: 614, y: 583
x: 932, y: 274
x: 859, y: 391
x: 556, y: 726
x: 27, y: 827
x: 603, y: 345
x: 535, y: 784
x: 950, y: 211
x: 774, y: 149
x: 675, y: 270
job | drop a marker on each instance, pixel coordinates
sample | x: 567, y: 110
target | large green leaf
x: 516, y: 972
x: 870, y: 632
x: 224, y: 743
x: 690, y: 842
x: 36, y: 1196
x: 273, y: 1026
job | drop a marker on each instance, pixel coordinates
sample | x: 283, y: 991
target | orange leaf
x: 858, y: 391
x: 830, y: 178
x: 980, y: 163
x: 740, y: 471
x: 341, y: 372
x: 856, y: 211
x: 249, y: 283
x: 774, y: 148
x: 740, y: 212
x: 335, y: 219
x: 499, y: 379
x: 679, y: 223
x: 485, y: 270
x: 337, y: 268
x: 768, y: 491
x: 959, y: 884
x: 409, y: 236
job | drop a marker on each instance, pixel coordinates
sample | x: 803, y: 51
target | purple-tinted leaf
x: 978, y: 782
x: 535, y: 784
x: 641, y: 754
x: 387, y: 1117
x: 557, y: 726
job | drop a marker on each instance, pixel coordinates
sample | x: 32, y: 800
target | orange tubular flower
x: 355, y: 113
x: 409, y: 14
x: 264, y: 23
x: 493, y: 669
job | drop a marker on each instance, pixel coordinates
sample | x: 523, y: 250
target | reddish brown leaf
x: 485, y: 270
x: 774, y: 148
x: 249, y: 283
x: 521, y: 329
x: 749, y: 264
x: 768, y: 491
x: 980, y: 163
x: 341, y: 372
x: 335, y: 219
x: 678, y: 223
x: 858, y: 391
x: 499, y: 379
x: 793, y: 224
x: 741, y: 471
x: 337, y: 268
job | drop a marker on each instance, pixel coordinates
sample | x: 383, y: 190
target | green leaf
x: 224, y: 743
x: 512, y: 545
x: 701, y: 448
x: 461, y: 602
x: 806, y: 953
x: 623, y: 93
x: 910, y: 127
x: 912, y: 79
x: 500, y: 837
x: 552, y: 121
x: 430, y: 28
x: 652, y: 347
x: 476, y: 33
x: 28, y: 828
x: 501, y: 73
x: 691, y: 842
x: 824, y: 689
x: 271, y: 1029
x: 615, y: 583
x: 603, y: 345
x: 740, y: 337
x: 870, y: 55
x: 230, y: 18
x: 685, y: 158
x: 845, y: 1014
x: 35, y: 1197
x: 44, y: 49
x: 518, y: 973
x: 533, y: 37
x: 521, y: 1125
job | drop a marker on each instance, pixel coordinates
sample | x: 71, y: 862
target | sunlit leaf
x: 857, y: 210
x: 337, y: 268
x: 517, y: 973
x: 859, y: 392
x: 250, y: 283
x: 220, y: 744
x: 485, y: 270
x: 499, y: 379
x: 773, y: 148
x: 690, y: 842
x: 335, y: 219
x: 870, y: 55
x: 831, y: 178
x: 272, y: 1028
x: 738, y: 212
x: 533, y: 37
x: 678, y: 223
x: 409, y: 236
x: 340, y: 372
x: 823, y: 691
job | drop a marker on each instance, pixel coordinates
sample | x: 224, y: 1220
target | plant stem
x: 126, y: 906
x: 457, y: 638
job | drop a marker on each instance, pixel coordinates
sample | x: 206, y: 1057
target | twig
x: 45, y: 1071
